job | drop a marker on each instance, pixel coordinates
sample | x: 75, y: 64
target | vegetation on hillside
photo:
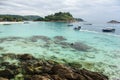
x: 17, y: 18
x: 32, y: 17
x: 11, y: 18
x: 60, y: 16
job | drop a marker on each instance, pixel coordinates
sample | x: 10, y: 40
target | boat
x: 77, y: 28
x: 108, y: 30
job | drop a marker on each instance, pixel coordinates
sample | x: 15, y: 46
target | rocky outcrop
x: 7, y: 73
x: 25, y: 57
x: 30, y: 68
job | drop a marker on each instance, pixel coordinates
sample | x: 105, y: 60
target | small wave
x: 89, y: 31
x: 115, y: 35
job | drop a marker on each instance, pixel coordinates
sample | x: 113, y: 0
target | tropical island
x: 60, y: 17
x: 57, y: 17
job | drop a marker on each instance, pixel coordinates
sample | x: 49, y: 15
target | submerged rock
x: 75, y: 65
x: 1, y: 48
x: 80, y: 46
x: 59, y: 38
x: 93, y: 75
x: 90, y: 55
x: 9, y: 39
x: 36, y: 38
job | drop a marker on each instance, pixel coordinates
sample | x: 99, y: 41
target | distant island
x: 113, y: 21
x: 57, y: 17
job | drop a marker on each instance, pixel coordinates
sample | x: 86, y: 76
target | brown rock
x: 25, y: 57
x: 59, y: 67
x: 93, y: 75
x: 7, y: 73
x: 3, y: 78
x: 56, y: 77
x: 39, y: 77
x: 27, y: 77
x: 63, y: 71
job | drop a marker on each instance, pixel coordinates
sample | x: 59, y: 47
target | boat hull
x: 108, y: 30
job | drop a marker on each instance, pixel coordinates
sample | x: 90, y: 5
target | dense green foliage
x: 17, y: 17
x: 60, y: 16
x: 31, y: 17
x: 39, y: 19
x: 11, y: 18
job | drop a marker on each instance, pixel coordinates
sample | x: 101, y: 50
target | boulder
x: 39, y: 77
x: 3, y: 78
x: 7, y: 73
x: 26, y: 57
x: 56, y: 77
x: 93, y: 75
x: 63, y: 71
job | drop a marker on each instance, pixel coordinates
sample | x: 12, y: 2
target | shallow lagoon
x: 93, y: 49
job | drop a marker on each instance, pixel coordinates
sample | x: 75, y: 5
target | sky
x: 89, y: 10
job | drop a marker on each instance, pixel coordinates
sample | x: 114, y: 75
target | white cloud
x: 91, y: 10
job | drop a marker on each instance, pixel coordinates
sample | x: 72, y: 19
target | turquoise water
x: 103, y: 54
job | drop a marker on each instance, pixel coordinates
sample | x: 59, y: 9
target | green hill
x: 60, y: 16
x: 7, y: 17
x: 12, y: 18
x: 31, y: 17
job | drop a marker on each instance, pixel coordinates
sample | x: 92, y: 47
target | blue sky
x: 90, y: 10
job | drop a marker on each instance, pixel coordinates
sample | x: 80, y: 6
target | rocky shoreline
x: 27, y: 67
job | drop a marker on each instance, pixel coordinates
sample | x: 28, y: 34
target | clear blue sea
x: 99, y: 51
